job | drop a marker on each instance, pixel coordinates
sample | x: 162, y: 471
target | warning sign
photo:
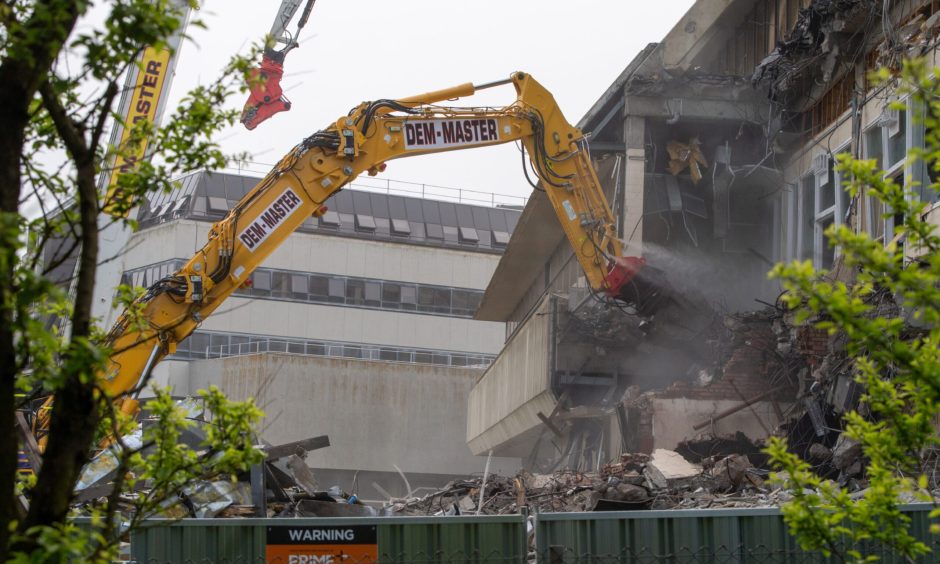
x: 442, y: 133
x: 349, y: 544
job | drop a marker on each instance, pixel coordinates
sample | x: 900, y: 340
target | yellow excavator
x: 363, y: 141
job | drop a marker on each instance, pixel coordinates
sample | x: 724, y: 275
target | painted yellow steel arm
x: 324, y: 163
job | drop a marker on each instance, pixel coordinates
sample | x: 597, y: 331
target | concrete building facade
x: 716, y: 147
x: 358, y: 327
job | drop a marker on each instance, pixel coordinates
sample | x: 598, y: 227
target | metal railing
x: 351, y: 351
x: 393, y: 187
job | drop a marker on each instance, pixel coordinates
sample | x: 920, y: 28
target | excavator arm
x: 266, y: 97
x: 362, y: 142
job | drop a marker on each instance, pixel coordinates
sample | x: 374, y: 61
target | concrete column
x: 634, y: 131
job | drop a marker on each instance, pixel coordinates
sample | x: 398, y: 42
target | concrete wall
x: 356, y: 325
x: 377, y: 414
x: 504, y: 403
x: 673, y: 419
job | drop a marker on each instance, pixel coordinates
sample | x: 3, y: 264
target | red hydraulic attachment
x: 266, y: 97
x: 622, y: 271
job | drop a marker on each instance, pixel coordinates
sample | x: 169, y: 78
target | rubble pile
x: 663, y: 480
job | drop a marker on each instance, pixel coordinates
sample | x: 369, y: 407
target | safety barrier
x: 742, y: 536
x: 484, y: 539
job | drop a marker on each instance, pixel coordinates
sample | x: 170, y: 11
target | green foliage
x: 72, y: 96
x: 899, y: 366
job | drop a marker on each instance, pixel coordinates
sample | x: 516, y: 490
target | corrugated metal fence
x: 678, y: 537
x: 399, y: 540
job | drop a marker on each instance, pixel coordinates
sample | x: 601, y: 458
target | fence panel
x: 480, y: 540
x: 740, y: 536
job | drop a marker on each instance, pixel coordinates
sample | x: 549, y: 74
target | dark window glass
x: 238, y: 344
x: 422, y: 357
x: 435, y: 231
x: 295, y: 348
x: 318, y: 349
x: 391, y: 292
x: 352, y: 351
x: 464, y: 302
x: 319, y: 288
x: 198, y: 343
x: 280, y: 285
x: 450, y: 235
x: 434, y: 299
x: 388, y: 354
x: 355, y: 292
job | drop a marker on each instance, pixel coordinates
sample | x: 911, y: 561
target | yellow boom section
x: 323, y: 164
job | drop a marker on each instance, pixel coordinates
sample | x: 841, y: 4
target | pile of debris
x: 663, y: 480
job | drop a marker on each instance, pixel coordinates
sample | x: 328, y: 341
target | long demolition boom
x: 363, y: 141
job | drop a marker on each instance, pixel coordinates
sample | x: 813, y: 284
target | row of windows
x: 340, y: 290
x: 821, y: 199
x: 353, y: 212
x: 207, y: 345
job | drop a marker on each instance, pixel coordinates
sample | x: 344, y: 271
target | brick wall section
x: 748, y: 371
x: 813, y: 344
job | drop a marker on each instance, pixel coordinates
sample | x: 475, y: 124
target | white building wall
x: 260, y: 316
x: 347, y: 256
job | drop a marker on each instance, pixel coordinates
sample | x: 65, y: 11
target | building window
x: 355, y: 292
x: 401, y: 227
x: 325, y: 288
x: 896, y: 137
x: 807, y: 199
x: 337, y: 290
x: 319, y: 288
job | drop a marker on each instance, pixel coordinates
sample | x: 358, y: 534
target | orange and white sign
x: 351, y: 544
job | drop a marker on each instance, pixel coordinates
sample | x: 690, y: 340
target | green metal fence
x: 745, y: 536
x: 484, y: 539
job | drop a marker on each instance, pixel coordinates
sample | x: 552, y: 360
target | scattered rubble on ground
x: 665, y: 480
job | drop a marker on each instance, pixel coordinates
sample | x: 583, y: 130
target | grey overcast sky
x: 355, y: 50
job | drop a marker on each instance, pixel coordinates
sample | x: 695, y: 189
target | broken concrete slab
x: 302, y: 474
x: 845, y: 452
x: 667, y: 469
x: 731, y: 472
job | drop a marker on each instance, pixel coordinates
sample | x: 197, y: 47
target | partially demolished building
x: 716, y: 147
